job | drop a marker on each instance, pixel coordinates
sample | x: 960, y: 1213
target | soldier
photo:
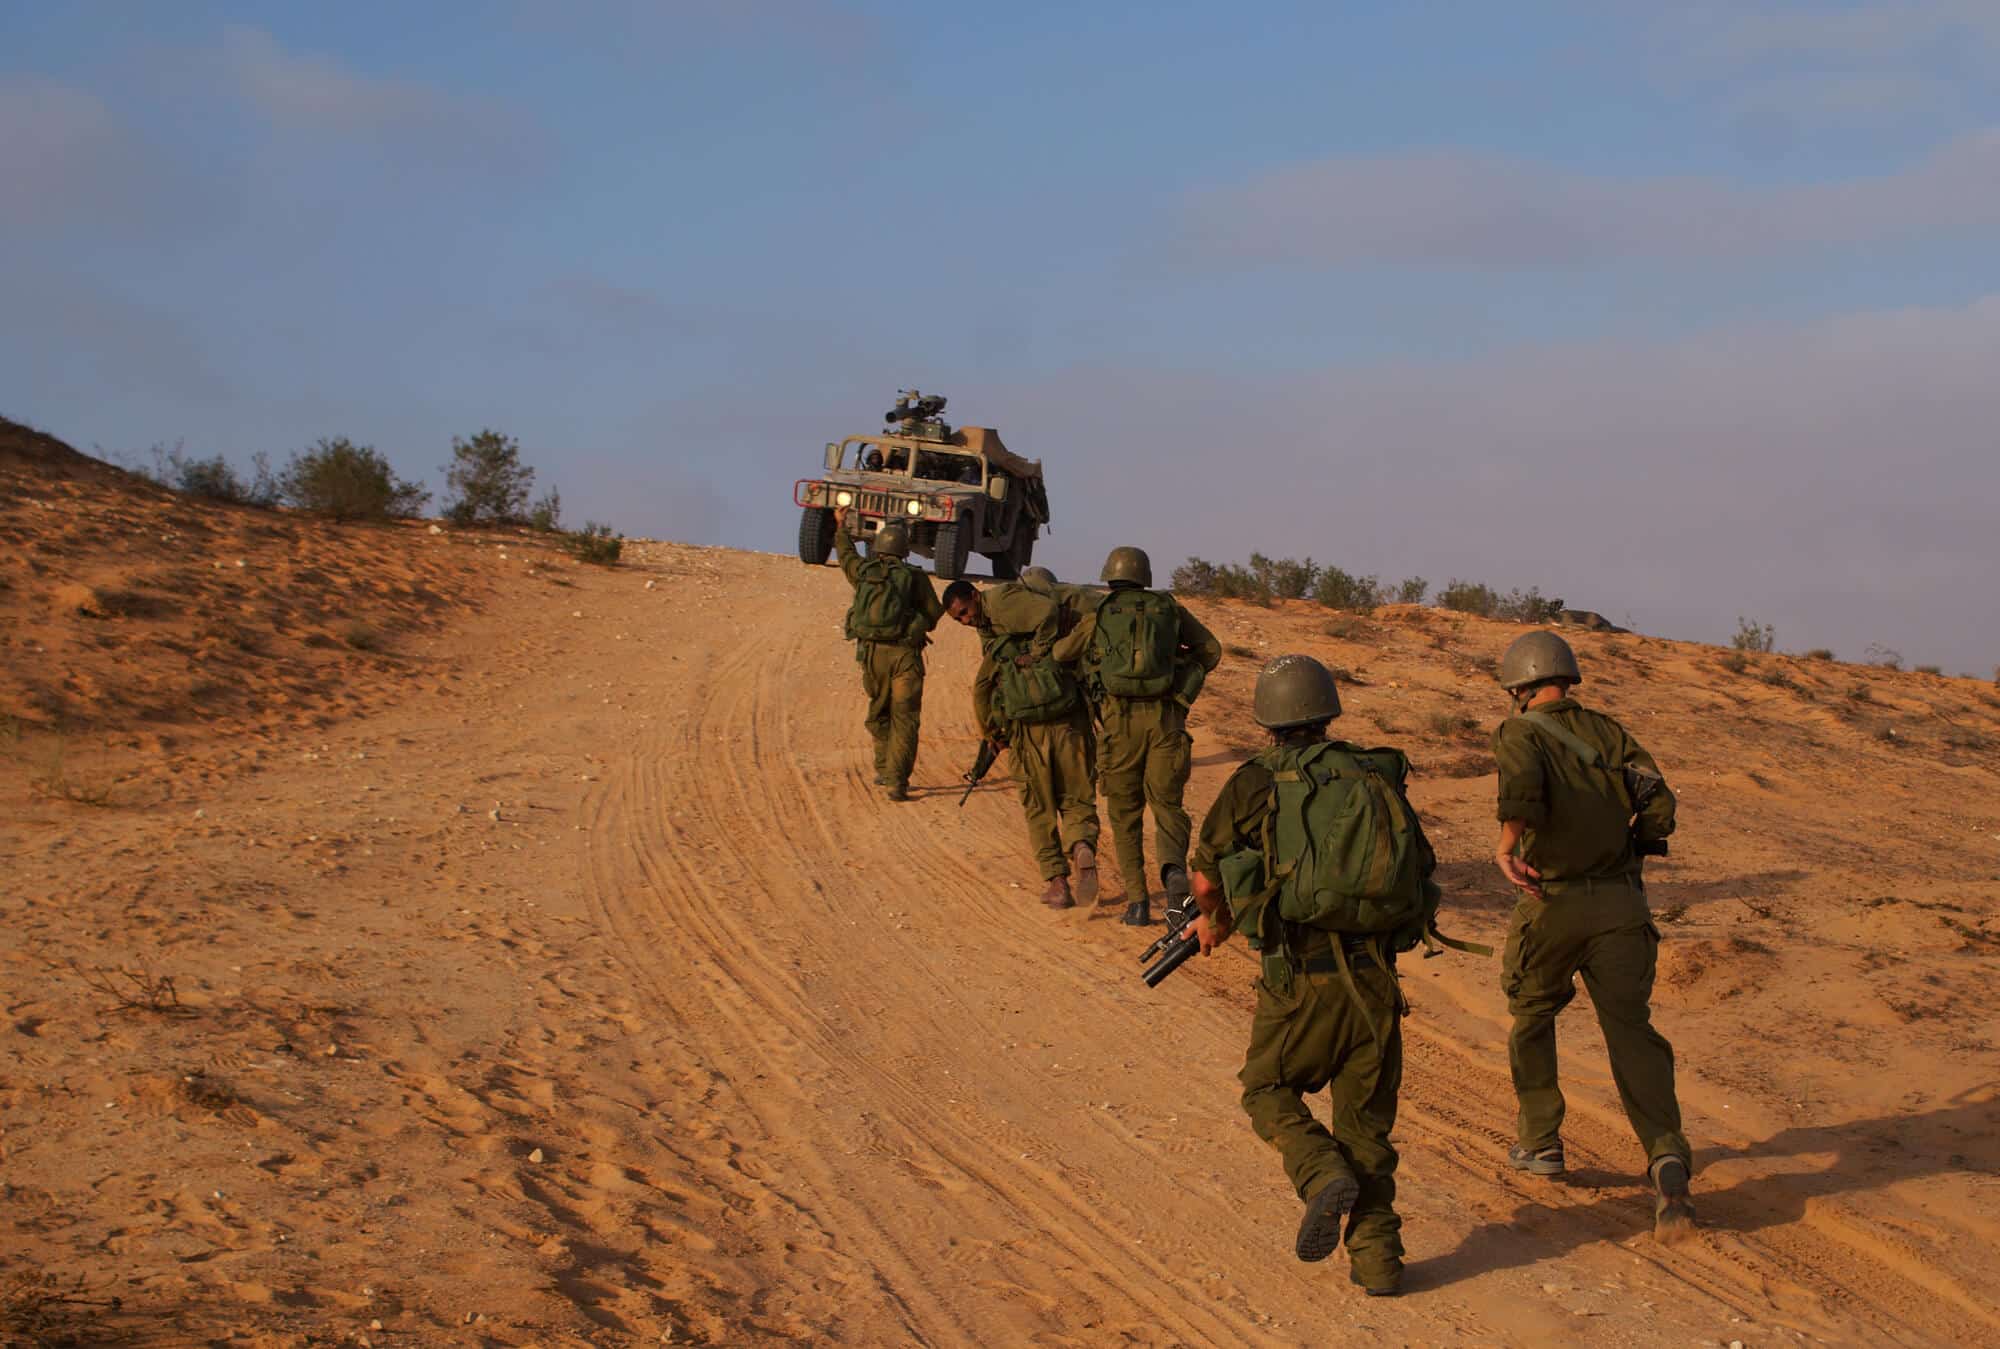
x: 1026, y: 702
x: 889, y: 621
x: 1329, y: 1011
x: 1580, y: 803
x: 1147, y: 658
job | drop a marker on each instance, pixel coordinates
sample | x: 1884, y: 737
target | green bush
x: 1820, y: 653
x: 349, y: 482
x: 1468, y: 597
x: 488, y: 481
x: 1752, y: 637
x: 1287, y: 578
x: 1735, y: 662
x: 596, y: 543
x: 1194, y: 577
x: 547, y: 514
x: 214, y: 478
x: 1887, y: 657
x: 1412, y: 590
x: 1337, y: 589
x: 1527, y: 606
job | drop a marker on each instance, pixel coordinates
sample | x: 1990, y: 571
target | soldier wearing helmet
x: 1328, y: 1006
x: 889, y: 620
x: 1145, y: 658
x: 1581, y: 802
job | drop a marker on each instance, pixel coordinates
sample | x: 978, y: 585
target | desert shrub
x: 1734, y: 661
x: 1820, y: 653
x: 1194, y: 577
x: 1236, y: 582
x: 1337, y: 589
x: 488, y: 481
x: 1527, y: 606
x: 1452, y: 723
x: 1754, y: 637
x: 1286, y: 578
x: 596, y: 543
x: 1860, y: 693
x: 1468, y: 597
x: 214, y: 478
x: 1887, y: 657
x: 1930, y: 669
x: 547, y: 513
x: 1411, y: 590
x: 336, y: 477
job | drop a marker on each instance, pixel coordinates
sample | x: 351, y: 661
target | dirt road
x: 590, y: 993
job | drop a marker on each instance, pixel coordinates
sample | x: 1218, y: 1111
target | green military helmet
x: 1536, y: 658
x: 1039, y: 579
x: 892, y: 540
x: 1130, y: 565
x: 1295, y: 691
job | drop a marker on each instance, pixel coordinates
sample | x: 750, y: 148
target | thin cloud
x: 1461, y: 208
x: 65, y: 159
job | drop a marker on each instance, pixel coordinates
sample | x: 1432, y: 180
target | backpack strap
x: 1583, y: 750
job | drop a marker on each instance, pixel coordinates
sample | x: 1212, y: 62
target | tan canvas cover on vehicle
x: 985, y: 440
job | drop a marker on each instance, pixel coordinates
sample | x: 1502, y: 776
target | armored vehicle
x: 960, y: 491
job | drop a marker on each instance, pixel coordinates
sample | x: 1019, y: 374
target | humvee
x: 961, y: 492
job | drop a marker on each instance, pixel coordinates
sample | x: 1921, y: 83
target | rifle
x: 1175, y: 945
x: 981, y: 766
x: 1643, y: 786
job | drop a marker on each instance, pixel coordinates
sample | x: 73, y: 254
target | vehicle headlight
x: 843, y: 498
x: 916, y: 508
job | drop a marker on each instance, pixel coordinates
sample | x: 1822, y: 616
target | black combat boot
x: 1139, y: 913
x: 1546, y: 1161
x: 1319, y: 1230
x: 1673, y: 1210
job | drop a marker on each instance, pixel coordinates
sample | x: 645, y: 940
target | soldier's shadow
x: 1961, y: 1137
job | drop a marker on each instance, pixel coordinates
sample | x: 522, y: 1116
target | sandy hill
x: 538, y: 966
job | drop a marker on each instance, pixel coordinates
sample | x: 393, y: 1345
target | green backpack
x: 1041, y: 692
x: 1138, y: 640
x: 1358, y: 859
x: 884, y: 601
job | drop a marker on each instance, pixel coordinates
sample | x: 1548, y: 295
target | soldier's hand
x: 1518, y: 873
x: 840, y: 519
x: 1212, y: 929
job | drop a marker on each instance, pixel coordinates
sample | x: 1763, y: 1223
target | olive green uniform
x: 1144, y: 753
x: 1592, y: 920
x: 892, y: 674
x: 1054, y: 762
x: 1311, y: 1032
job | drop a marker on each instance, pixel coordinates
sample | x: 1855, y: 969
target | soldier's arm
x: 1656, y: 820
x: 1524, y: 792
x: 843, y: 547
x: 1071, y: 649
x: 1198, y: 642
x: 929, y: 608
x: 1234, y: 822
x: 982, y: 697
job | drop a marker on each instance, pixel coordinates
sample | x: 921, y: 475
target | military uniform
x: 1312, y: 1032
x: 1054, y: 762
x: 1592, y: 920
x: 1144, y: 752
x: 892, y: 675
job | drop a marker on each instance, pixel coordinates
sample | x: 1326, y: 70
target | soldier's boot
x: 1546, y: 1161
x: 1673, y: 1210
x: 1383, y: 1280
x: 1319, y: 1230
x: 881, y: 778
x: 1057, y: 895
x: 1139, y: 913
x: 899, y: 791
x: 1083, y: 862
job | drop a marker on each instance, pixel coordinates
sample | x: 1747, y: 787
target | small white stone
x: 535, y: 1156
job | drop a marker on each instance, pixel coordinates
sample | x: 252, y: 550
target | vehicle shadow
x: 1962, y: 1137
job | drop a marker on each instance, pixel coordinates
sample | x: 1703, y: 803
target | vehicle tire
x: 815, y: 536
x: 949, y: 554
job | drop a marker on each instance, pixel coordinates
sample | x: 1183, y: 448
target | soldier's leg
x: 1169, y: 761
x: 1537, y: 975
x: 876, y: 683
x: 906, y: 710
x: 1618, y: 972
x: 1122, y: 773
x: 1367, y: 1078
x: 1069, y: 756
x: 1291, y: 1048
x: 1028, y: 747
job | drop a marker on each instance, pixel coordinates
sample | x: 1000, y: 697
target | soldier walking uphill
x: 1027, y: 703
x: 1146, y: 657
x: 1325, y: 868
x: 1580, y: 803
x: 890, y: 620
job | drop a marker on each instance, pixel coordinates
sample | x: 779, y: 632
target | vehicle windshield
x: 931, y: 465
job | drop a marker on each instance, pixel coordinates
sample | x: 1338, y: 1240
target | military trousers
x: 1603, y: 931
x: 1317, y: 1033
x: 1144, y: 758
x: 893, y: 678
x: 1055, y: 769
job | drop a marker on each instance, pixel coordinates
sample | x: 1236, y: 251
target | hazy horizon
x: 1681, y: 314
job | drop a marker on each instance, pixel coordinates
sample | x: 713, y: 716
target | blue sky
x: 1679, y: 311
